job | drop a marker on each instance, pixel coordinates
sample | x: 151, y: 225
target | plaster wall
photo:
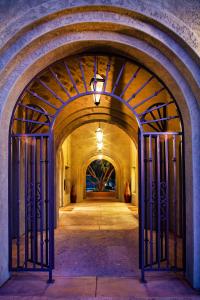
x: 134, y: 173
x: 63, y: 173
x: 66, y: 169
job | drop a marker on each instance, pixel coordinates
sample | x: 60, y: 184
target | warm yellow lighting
x: 99, y: 135
x: 97, y: 86
x: 99, y: 146
x: 100, y: 156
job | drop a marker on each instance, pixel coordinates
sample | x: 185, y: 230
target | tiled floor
x: 97, y: 240
x: 97, y: 258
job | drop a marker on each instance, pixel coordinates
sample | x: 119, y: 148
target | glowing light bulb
x: 100, y: 156
x: 99, y: 146
x: 96, y: 85
x: 99, y: 135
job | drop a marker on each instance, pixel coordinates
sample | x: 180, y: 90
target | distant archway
x: 100, y: 179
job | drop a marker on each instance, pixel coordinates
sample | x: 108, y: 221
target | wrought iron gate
x: 32, y: 208
x: 161, y: 203
x: 32, y: 203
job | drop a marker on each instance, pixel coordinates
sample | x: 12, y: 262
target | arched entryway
x: 100, y: 179
x: 132, y: 97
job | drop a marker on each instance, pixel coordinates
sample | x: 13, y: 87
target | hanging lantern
x: 99, y: 135
x: 96, y: 85
x: 99, y: 146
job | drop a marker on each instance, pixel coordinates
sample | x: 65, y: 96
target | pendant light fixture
x: 99, y: 138
x: 99, y: 146
x: 96, y: 84
x: 99, y: 135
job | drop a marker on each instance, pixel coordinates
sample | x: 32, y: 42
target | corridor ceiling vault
x: 129, y: 90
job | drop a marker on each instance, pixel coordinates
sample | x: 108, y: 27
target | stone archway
x: 183, y: 86
x: 115, y: 164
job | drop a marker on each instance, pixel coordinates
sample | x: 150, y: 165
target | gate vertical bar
x: 46, y: 202
x: 51, y: 206
x: 175, y: 200
x: 150, y: 200
x: 41, y: 203
x: 10, y: 193
x: 167, y: 200
x: 31, y: 199
x: 162, y: 212
x: 18, y: 201
x: 158, y: 200
x: 146, y: 211
x: 26, y: 200
x: 34, y: 230
x: 141, y: 147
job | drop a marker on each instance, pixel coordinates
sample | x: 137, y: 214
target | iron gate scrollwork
x: 161, y: 203
x: 32, y: 204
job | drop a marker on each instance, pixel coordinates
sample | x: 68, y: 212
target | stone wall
x: 180, y: 16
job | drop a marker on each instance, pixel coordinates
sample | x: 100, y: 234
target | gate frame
x: 141, y: 161
x: 141, y: 134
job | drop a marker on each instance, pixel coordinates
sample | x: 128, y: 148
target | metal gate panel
x: 32, y: 204
x: 161, y: 202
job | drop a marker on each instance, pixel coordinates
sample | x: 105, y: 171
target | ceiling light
x: 99, y: 135
x: 96, y: 85
x: 99, y: 146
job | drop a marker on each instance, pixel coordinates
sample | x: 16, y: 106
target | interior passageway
x: 97, y: 238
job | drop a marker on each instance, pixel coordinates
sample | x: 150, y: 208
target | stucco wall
x: 66, y: 169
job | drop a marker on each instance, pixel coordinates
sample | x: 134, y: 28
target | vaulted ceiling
x: 131, y: 95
